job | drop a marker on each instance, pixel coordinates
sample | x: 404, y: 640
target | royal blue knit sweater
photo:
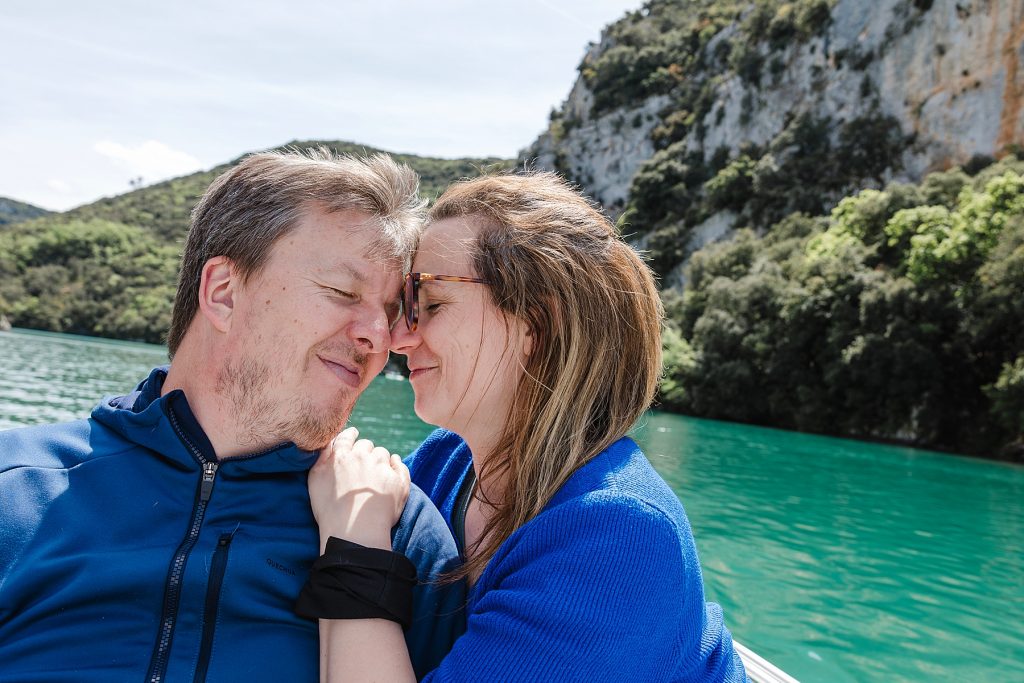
x: 602, y: 585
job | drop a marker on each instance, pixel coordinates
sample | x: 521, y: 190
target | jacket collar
x: 166, y: 425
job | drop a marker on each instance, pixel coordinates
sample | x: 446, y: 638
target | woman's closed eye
x: 432, y: 304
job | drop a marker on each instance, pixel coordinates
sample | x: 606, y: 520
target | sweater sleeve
x: 606, y: 588
x: 423, y: 537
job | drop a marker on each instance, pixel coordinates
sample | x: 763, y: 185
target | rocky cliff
x: 690, y: 119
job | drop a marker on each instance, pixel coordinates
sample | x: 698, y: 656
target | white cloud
x: 152, y: 160
x: 58, y: 185
x: 454, y: 78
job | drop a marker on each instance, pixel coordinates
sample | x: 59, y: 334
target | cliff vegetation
x: 816, y: 184
x: 898, y: 316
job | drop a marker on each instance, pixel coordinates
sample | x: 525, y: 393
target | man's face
x: 310, y: 331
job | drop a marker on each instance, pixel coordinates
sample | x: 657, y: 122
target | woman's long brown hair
x: 554, y: 261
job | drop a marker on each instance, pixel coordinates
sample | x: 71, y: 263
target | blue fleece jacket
x: 602, y: 585
x: 128, y: 553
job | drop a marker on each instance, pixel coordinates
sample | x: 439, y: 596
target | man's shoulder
x: 54, y: 446
x: 423, y: 535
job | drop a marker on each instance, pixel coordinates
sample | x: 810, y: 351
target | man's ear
x: 217, y: 290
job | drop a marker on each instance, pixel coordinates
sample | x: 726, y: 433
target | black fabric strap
x: 351, y: 581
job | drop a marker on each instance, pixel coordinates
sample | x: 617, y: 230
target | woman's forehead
x: 447, y: 243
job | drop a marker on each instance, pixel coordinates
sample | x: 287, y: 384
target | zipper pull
x: 209, y: 472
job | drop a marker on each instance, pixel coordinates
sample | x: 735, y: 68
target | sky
x: 94, y: 96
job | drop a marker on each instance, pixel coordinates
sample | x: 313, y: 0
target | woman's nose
x: 402, y: 340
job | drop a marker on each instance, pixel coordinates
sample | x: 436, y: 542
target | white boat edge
x: 759, y: 669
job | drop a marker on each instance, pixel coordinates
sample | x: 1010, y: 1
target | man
x: 167, y: 537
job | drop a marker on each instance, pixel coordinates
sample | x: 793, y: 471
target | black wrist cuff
x: 351, y: 581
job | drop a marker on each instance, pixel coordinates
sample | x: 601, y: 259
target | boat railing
x: 759, y: 669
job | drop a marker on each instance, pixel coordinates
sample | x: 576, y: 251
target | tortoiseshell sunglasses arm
x: 411, y: 297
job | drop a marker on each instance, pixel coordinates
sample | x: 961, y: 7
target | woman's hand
x: 357, y: 491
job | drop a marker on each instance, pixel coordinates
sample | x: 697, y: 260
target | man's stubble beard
x: 263, y: 422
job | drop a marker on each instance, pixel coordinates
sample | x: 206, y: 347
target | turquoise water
x: 836, y: 560
x: 844, y: 561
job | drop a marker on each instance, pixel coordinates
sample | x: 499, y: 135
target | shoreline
x: 1011, y: 454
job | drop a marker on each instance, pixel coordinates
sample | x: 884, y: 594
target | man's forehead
x: 361, y: 256
x: 356, y: 225
x: 363, y: 267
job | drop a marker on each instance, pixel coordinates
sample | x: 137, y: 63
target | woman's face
x: 465, y: 357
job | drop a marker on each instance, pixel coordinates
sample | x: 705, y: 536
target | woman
x: 533, y: 339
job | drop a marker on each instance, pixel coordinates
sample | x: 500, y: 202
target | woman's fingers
x: 403, y: 472
x: 340, y: 445
x: 358, y: 490
x: 345, y: 440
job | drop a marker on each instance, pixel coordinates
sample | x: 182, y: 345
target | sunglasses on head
x: 411, y: 293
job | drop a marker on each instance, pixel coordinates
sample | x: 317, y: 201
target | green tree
x: 898, y: 317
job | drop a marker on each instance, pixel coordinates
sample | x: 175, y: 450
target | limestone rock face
x: 603, y: 153
x: 951, y: 75
x: 949, y: 71
x: 600, y: 153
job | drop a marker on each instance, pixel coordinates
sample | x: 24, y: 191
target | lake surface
x: 836, y: 560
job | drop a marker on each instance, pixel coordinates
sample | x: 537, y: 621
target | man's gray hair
x: 249, y: 207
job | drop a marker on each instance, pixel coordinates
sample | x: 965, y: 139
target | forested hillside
x: 109, y: 268
x: 163, y: 208
x: 899, y: 316
x: 12, y: 211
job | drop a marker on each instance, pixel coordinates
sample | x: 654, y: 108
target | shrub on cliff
x: 902, y: 319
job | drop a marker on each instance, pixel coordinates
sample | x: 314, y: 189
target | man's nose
x: 370, y: 331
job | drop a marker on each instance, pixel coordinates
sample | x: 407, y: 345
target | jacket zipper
x: 217, y: 569
x: 172, y: 587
